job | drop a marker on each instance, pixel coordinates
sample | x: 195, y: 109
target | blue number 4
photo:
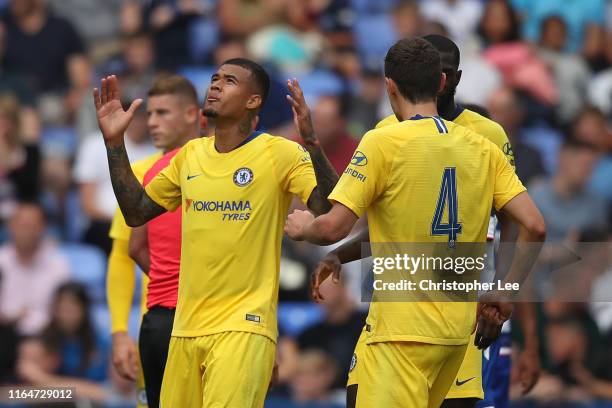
x: 448, y: 194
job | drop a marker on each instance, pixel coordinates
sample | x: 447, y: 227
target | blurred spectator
x: 571, y: 72
x: 19, y: 155
x: 578, y: 363
x: 590, y: 126
x: 84, y: 354
x: 328, y: 117
x: 240, y: 18
x: 37, y: 365
x: 460, y: 17
x: 515, y: 59
x: 172, y: 23
x: 567, y: 204
x: 135, y: 64
x: 49, y: 56
x: 96, y: 21
x: 407, y: 19
x: 314, y: 378
x: 364, y: 107
x: 92, y: 174
x: 32, y: 268
x: 338, y: 333
x: 506, y: 110
x: 584, y: 20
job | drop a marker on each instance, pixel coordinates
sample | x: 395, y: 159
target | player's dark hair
x: 262, y: 80
x: 445, y: 45
x: 174, y: 85
x: 414, y: 65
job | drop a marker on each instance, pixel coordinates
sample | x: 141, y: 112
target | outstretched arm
x: 324, y: 171
x: 326, y: 229
x: 135, y: 204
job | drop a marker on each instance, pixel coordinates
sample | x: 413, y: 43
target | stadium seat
x: 88, y: 266
x: 293, y: 318
x: 373, y: 48
x: 318, y: 83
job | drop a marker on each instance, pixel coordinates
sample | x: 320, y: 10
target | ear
x: 254, y: 102
x: 442, y: 82
x: 459, y: 72
x: 391, y: 87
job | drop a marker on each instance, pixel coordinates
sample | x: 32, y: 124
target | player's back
x: 440, y: 180
x: 425, y: 180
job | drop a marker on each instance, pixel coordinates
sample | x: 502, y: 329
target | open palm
x: 112, y: 119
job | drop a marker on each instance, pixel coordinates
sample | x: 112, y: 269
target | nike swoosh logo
x: 460, y: 383
x: 192, y: 177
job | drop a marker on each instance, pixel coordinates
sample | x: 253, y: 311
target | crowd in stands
x: 540, y: 68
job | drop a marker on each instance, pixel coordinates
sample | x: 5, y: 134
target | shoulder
x: 482, y: 125
x: 281, y: 144
x: 389, y: 120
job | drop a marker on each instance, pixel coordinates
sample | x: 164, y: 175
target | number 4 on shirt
x: 448, y: 195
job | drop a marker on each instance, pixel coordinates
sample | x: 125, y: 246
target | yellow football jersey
x: 476, y: 122
x: 234, y: 210
x: 404, y: 175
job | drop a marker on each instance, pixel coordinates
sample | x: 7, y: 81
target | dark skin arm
x: 135, y: 204
x: 324, y: 171
x: 528, y: 364
x: 139, y: 248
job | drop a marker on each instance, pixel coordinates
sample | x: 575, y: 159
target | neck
x: 26, y: 256
x: 229, y: 134
x: 182, y: 141
x: 406, y: 109
x: 448, y: 109
x: 340, y: 313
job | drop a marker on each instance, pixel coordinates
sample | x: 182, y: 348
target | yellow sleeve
x: 293, y: 168
x: 500, y: 138
x: 507, y: 183
x: 120, y: 285
x: 365, y: 177
x: 165, y: 188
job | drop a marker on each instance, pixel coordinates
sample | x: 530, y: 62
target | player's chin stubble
x: 210, y: 113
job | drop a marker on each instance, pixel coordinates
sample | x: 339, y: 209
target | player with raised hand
x: 402, y: 173
x: 173, y: 119
x: 235, y: 189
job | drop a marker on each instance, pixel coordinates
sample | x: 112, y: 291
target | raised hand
x: 301, y: 113
x: 330, y: 265
x: 112, y: 119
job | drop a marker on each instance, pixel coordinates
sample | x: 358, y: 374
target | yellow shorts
x: 229, y: 369
x: 422, y: 373
x: 468, y: 383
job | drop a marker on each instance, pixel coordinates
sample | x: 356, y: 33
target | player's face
x: 169, y: 119
x: 231, y: 93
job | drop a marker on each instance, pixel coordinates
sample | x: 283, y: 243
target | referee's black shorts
x: 153, y: 343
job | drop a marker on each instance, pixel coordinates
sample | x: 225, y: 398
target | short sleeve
x: 364, y: 178
x: 293, y: 168
x: 507, y: 183
x: 165, y: 188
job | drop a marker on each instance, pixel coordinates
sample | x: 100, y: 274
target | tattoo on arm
x: 326, y: 181
x: 137, y: 207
